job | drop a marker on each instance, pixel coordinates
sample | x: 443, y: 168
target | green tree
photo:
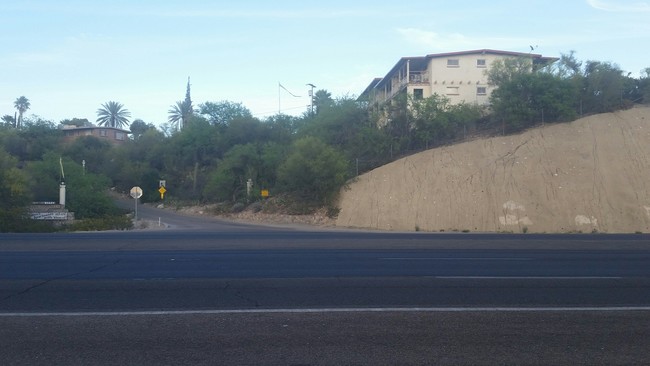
x: 244, y: 130
x: 399, y: 123
x: 507, y: 69
x: 313, y: 171
x: 282, y: 128
x: 568, y: 67
x: 8, y: 120
x: 603, y: 87
x: 527, y: 99
x: 93, y: 150
x: 228, y: 181
x: 113, y: 114
x: 40, y: 136
x: 22, y: 105
x: 15, y: 194
x: 430, y: 119
x: 322, y: 100
x: 272, y: 155
x: 644, y: 85
x: 77, y: 122
x: 139, y: 127
x: 436, y: 120
x: 337, y: 125
x: 189, y: 155
x: 45, y: 177
x: 224, y: 112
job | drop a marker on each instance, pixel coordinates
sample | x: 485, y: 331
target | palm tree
x: 180, y: 113
x: 113, y: 114
x: 322, y: 100
x: 22, y: 104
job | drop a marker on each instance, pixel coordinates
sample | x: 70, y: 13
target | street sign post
x: 136, y: 192
x: 162, y: 191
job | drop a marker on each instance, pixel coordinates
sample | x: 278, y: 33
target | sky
x: 68, y: 57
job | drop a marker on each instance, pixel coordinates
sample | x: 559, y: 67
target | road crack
x: 50, y: 280
x: 238, y: 294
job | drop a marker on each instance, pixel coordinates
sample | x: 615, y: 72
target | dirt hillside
x: 589, y: 175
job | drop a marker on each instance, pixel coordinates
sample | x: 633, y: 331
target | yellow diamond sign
x: 162, y: 191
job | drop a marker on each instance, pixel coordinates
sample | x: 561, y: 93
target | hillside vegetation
x: 590, y: 175
x: 220, y: 154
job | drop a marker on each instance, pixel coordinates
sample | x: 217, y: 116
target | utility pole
x: 311, y: 96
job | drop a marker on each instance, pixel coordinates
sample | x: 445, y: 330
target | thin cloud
x: 265, y: 14
x: 620, y: 6
x: 433, y: 41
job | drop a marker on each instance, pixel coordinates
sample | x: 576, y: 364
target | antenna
x: 311, y: 95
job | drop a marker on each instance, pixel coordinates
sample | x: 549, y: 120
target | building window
x: 453, y: 62
x: 452, y: 90
x: 102, y: 133
x: 119, y: 135
x: 481, y: 90
x: 481, y: 62
x: 418, y: 94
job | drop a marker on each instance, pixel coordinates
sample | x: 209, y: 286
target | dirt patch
x: 591, y: 175
x: 249, y: 215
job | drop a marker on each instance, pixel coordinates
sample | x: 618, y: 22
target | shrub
x: 119, y: 222
x: 238, y: 207
x: 313, y: 171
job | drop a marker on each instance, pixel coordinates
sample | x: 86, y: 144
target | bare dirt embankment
x: 589, y: 175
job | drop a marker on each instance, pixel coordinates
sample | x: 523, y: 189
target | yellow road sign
x: 162, y: 191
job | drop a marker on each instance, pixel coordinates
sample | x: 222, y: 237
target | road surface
x: 210, y: 292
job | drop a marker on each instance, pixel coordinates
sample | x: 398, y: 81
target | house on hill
x: 111, y: 134
x: 459, y: 76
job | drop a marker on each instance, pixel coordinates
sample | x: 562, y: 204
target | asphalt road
x: 210, y: 292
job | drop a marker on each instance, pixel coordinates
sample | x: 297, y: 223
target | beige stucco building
x: 459, y: 76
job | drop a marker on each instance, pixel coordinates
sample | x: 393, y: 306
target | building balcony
x: 419, y: 78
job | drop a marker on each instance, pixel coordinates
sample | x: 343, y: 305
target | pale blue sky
x: 70, y: 56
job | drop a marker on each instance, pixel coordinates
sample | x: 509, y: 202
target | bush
x: 256, y: 206
x: 238, y: 207
x: 333, y: 212
x: 119, y: 222
x: 313, y: 171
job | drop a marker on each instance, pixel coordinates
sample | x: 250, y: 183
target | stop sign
x: 136, y: 192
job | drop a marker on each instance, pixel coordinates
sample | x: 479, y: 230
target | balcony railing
x: 399, y: 83
x: 419, y: 77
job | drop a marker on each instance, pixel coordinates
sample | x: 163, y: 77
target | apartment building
x: 459, y: 76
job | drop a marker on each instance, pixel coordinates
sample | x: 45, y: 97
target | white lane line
x: 335, y: 310
x: 528, y: 277
x: 453, y: 259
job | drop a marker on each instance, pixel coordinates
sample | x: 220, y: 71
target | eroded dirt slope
x: 589, y: 175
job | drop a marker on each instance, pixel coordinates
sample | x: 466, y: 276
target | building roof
x: 75, y: 128
x: 371, y: 86
x: 415, y: 64
x: 492, y: 52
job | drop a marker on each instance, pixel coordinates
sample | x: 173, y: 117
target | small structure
x: 111, y: 134
x: 50, y: 211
